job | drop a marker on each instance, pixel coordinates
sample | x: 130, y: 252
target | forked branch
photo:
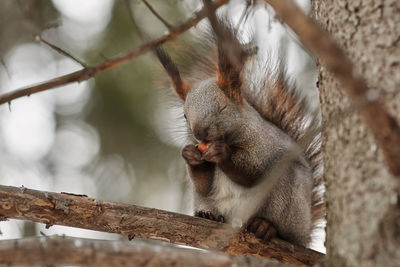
x: 89, y: 72
x: 59, y: 50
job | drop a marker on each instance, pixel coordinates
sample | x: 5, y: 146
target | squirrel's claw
x: 261, y: 228
x: 209, y: 215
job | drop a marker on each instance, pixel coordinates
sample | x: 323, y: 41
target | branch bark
x: 59, y: 50
x: 158, y: 16
x: 89, y: 72
x: 129, y: 220
x: 57, y: 250
x: 384, y: 127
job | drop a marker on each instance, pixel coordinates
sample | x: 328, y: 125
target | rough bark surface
x: 383, y: 126
x: 363, y: 219
x: 56, y: 250
x: 129, y: 220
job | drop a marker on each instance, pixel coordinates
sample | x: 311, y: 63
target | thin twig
x: 89, y: 72
x: 384, y: 127
x: 152, y: 10
x: 59, y: 50
x: 134, y: 221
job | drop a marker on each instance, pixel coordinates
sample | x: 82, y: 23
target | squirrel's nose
x: 201, y: 133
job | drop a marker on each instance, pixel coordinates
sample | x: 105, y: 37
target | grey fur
x: 212, y: 116
x: 263, y: 162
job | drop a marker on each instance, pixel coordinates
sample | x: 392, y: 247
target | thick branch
x: 109, y: 64
x: 382, y: 125
x: 83, y: 212
x: 58, y: 250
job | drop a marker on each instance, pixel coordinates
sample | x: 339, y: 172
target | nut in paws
x: 217, y: 152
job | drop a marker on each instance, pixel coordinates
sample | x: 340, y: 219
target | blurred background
x: 115, y: 137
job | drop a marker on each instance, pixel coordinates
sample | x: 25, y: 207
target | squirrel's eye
x: 222, y: 109
x: 184, y: 115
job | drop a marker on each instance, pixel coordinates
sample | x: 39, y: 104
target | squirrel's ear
x: 180, y: 85
x: 231, y: 56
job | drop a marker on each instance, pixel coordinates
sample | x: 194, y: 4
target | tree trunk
x: 363, y: 218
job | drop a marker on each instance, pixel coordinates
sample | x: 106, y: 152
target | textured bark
x: 83, y: 212
x: 365, y: 99
x: 56, y: 250
x: 363, y: 219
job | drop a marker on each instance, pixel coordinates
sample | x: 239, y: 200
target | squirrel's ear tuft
x: 180, y: 85
x: 231, y: 56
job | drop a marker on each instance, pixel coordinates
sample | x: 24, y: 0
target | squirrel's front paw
x: 192, y: 155
x: 261, y: 228
x: 217, y: 152
x: 209, y: 215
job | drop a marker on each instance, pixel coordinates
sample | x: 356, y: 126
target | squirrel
x: 253, y: 149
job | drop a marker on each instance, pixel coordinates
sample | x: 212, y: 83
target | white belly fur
x: 235, y: 202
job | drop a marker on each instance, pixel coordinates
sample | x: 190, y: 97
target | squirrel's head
x: 209, y: 113
x: 213, y: 107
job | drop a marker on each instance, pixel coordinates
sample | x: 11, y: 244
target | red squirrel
x: 241, y: 125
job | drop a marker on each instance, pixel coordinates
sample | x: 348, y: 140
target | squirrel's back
x: 278, y: 100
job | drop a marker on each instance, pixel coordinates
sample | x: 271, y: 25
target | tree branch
x: 83, y: 212
x: 89, y: 72
x: 384, y: 127
x: 57, y: 250
x: 59, y: 50
x: 158, y: 16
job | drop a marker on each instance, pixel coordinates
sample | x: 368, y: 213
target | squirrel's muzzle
x: 201, y: 132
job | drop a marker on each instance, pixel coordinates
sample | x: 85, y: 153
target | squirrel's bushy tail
x: 278, y: 100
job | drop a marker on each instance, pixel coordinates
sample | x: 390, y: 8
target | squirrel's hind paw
x: 209, y: 215
x: 261, y: 228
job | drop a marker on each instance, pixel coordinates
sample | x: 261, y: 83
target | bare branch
x: 163, y: 21
x: 129, y: 220
x: 59, y: 50
x: 109, y: 64
x: 57, y: 250
x: 384, y: 127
